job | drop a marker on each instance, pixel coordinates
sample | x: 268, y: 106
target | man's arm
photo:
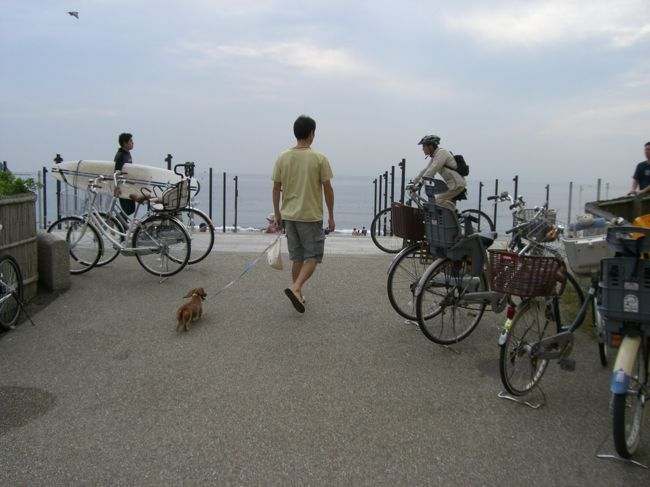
x: 329, y: 201
x: 277, y: 191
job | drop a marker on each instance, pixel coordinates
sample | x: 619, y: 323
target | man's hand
x: 331, y: 225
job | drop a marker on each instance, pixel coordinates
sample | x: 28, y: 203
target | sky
x: 551, y: 90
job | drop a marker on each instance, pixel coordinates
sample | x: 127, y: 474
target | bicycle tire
x: 480, y: 220
x: 628, y: 409
x: 84, y: 242
x: 381, y: 232
x: 11, y: 292
x: 441, y: 315
x: 519, y: 368
x: 202, y: 240
x: 403, y: 277
x: 601, y: 333
x: 169, y: 243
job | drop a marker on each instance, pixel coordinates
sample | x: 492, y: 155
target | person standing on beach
x: 301, y: 176
x: 442, y: 162
x: 641, y: 178
x: 123, y: 156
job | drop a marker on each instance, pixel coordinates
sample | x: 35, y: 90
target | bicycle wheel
x: 166, y: 245
x: 480, y: 221
x: 403, y: 277
x: 200, y: 229
x: 601, y: 333
x: 84, y: 241
x: 11, y: 291
x: 381, y: 232
x: 442, y: 314
x: 110, y: 253
x: 628, y: 408
x: 519, y: 366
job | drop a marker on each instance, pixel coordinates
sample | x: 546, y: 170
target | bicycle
x: 408, y: 266
x: 159, y: 242
x: 196, y: 222
x: 454, y: 291
x: 625, y: 306
x: 11, y: 292
x: 386, y: 235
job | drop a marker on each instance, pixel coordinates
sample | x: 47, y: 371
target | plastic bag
x: 273, y: 255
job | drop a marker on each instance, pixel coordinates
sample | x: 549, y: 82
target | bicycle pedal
x: 568, y: 364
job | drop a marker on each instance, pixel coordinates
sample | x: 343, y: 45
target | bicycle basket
x: 524, y: 275
x: 539, y: 226
x: 408, y: 222
x: 176, y: 197
x: 442, y: 227
x: 624, y: 283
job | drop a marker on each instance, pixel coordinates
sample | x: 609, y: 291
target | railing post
x: 168, y: 160
x: 598, y: 189
x: 58, y: 160
x: 480, y: 194
x: 570, y: 201
x: 224, y: 202
x: 496, y: 193
x: 547, y: 188
x: 236, y: 195
x: 516, y: 180
x: 392, y: 184
x: 210, y: 193
x: 402, y: 166
x: 385, y: 197
x: 44, y: 201
x: 375, y: 197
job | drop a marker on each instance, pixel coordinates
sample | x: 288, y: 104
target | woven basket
x: 523, y: 275
x: 408, y: 222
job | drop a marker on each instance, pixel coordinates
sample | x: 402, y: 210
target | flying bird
x: 74, y: 14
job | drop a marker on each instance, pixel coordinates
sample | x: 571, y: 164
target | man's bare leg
x: 301, y: 272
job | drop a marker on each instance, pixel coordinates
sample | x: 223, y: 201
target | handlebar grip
x: 490, y: 198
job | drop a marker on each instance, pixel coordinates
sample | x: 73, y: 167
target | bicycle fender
x: 624, y: 363
x: 396, y: 259
x: 425, y: 276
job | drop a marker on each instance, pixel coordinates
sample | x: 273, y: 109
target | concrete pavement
x: 104, y: 392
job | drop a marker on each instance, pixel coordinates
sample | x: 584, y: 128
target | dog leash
x: 248, y: 267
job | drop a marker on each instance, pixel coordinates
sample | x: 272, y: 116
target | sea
x: 243, y: 204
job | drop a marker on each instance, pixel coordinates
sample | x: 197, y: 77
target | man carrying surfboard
x: 123, y: 156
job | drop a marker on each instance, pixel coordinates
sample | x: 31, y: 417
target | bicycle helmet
x: 429, y: 140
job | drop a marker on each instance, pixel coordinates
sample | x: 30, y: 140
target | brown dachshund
x: 190, y: 311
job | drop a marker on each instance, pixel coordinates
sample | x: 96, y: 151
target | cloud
x: 622, y: 22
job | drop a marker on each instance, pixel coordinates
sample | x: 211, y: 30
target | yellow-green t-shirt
x: 302, y: 173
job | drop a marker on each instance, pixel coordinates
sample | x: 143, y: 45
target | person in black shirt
x: 641, y: 178
x: 123, y: 156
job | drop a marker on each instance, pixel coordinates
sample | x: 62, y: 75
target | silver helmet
x: 429, y: 140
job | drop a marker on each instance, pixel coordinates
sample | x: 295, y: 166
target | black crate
x: 625, y: 303
x: 442, y: 227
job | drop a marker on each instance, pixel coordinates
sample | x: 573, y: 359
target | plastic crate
x: 625, y: 295
x: 442, y: 227
x: 408, y: 221
x: 523, y: 275
x: 584, y: 254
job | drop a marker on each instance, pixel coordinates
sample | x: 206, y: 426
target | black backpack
x: 461, y: 166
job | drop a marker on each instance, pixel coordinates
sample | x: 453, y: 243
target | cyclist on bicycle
x: 442, y: 162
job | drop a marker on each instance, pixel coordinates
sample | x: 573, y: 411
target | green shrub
x: 10, y: 184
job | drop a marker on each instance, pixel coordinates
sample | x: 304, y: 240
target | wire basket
x: 524, y: 275
x: 408, y: 222
x: 539, y: 226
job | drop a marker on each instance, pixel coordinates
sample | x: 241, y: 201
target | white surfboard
x: 138, y: 176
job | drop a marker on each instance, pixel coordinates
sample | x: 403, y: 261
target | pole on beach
x: 210, y: 193
x: 547, y: 188
x: 598, y: 189
x: 480, y: 197
x: 235, y: 179
x: 58, y: 160
x: 385, y: 196
x: 496, y: 193
x: 168, y: 160
x: 570, y: 201
x: 392, y: 184
x: 516, y: 180
x: 402, y: 166
x: 375, y: 197
x: 224, y: 202
x: 44, y: 199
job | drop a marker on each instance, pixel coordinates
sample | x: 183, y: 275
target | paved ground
x: 104, y: 392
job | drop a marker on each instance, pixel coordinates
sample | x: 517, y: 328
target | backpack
x: 461, y: 166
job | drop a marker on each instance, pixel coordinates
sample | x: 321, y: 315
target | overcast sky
x: 552, y: 90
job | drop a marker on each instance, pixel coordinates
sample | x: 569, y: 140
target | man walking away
x: 302, y: 176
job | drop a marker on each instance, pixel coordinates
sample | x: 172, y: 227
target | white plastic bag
x: 274, y: 256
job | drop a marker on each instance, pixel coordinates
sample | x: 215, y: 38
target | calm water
x: 354, y: 199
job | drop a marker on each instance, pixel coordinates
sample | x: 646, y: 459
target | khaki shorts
x: 305, y: 240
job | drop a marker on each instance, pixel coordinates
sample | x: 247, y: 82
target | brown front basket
x: 523, y: 275
x: 408, y: 222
